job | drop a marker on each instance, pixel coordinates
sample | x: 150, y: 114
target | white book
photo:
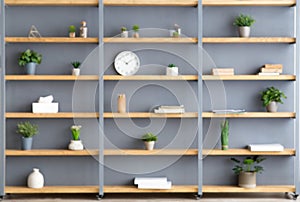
x: 171, y: 107
x: 169, y: 111
x: 152, y: 185
x: 268, y: 73
x: 138, y: 180
x: 229, y: 111
x: 266, y: 147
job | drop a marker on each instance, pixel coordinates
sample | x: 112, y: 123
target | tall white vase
x: 35, y: 179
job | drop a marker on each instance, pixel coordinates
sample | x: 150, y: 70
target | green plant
x: 26, y: 129
x: 272, y: 94
x: 76, y: 132
x: 72, y: 29
x: 29, y: 56
x: 175, y: 34
x: 76, y: 64
x: 224, y: 133
x: 123, y: 29
x: 171, y: 65
x: 135, y: 28
x: 148, y: 137
x: 249, y: 164
x: 243, y: 21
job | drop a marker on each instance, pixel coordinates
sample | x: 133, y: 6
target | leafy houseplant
x: 124, y: 32
x: 224, y: 134
x: 247, y: 169
x: 76, y: 70
x: 135, y: 29
x: 172, y: 70
x: 76, y: 143
x: 270, y: 97
x: 72, y: 31
x: 30, y: 59
x: 27, y: 130
x: 149, y: 140
x: 244, y: 22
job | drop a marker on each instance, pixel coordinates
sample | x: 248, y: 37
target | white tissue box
x: 45, y: 107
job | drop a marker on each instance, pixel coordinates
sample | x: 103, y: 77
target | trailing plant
x: 272, y: 94
x: 72, y: 29
x: 135, y: 28
x: 249, y: 164
x: 171, y: 65
x: 26, y: 129
x: 224, y: 132
x: 76, y: 64
x: 123, y: 29
x: 243, y: 21
x: 29, y: 56
x: 76, y: 132
x: 149, y: 137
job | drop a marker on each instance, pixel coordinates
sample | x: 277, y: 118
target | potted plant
x: 30, y: 59
x: 247, y: 169
x: 175, y: 34
x: 172, y: 70
x: 177, y: 30
x: 124, y: 32
x: 76, y: 69
x: 224, y: 134
x: 149, y: 140
x: 27, y: 130
x: 76, y: 143
x: 135, y: 29
x: 244, y: 22
x: 270, y: 97
x: 72, y: 31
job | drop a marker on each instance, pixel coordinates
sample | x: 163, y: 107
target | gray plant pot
x: 30, y: 68
x: 26, y: 143
x: 244, y: 31
x: 247, y: 180
x: 272, y: 107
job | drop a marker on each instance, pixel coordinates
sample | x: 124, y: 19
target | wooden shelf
x: 50, y: 40
x: 245, y: 152
x: 51, y: 2
x: 248, y: 78
x: 133, y: 189
x: 139, y: 152
x: 248, y: 40
x: 249, y: 2
x: 150, y: 2
x: 149, y: 115
x: 236, y: 189
x: 150, y: 77
x: 251, y: 115
x: 51, y: 115
x: 52, y: 190
x: 50, y: 77
x: 50, y: 152
x: 150, y: 40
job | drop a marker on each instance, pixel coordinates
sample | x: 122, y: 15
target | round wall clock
x: 127, y: 63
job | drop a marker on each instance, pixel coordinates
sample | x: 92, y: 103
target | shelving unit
x: 149, y: 115
x: 251, y: 115
x: 62, y: 115
x: 51, y: 3
x: 249, y: 40
x: 150, y: 40
x: 249, y: 78
x: 51, y: 78
x: 50, y: 40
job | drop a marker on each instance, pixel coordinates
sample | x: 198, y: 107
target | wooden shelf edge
x: 260, y: 188
x: 52, y: 190
x: 248, y: 3
x: 150, y: 40
x: 133, y: 189
x: 150, y: 3
x: 248, y: 78
x: 50, y: 152
x: 156, y: 152
x: 51, y: 40
x: 149, y: 115
x: 50, y: 77
x: 251, y: 115
x: 243, y: 152
x: 150, y: 77
x: 248, y: 40
x: 51, y: 3
x: 51, y: 115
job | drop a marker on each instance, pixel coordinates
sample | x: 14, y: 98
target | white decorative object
x: 172, y: 32
x: 124, y: 34
x: 47, y: 99
x: 35, y: 179
x: 83, y: 30
x: 45, y: 107
x: 34, y: 33
x: 76, y: 145
x: 76, y: 71
x: 172, y: 71
x: 170, y: 109
x: 152, y: 183
x: 149, y: 145
x: 266, y: 147
x: 127, y: 63
x: 244, y: 31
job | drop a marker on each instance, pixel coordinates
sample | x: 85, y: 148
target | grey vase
x: 26, y: 143
x: 247, y: 180
x: 272, y: 107
x: 30, y: 68
x: 244, y: 32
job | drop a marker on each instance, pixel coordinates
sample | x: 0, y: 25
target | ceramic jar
x: 76, y: 145
x: 35, y: 179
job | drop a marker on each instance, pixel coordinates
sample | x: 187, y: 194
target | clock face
x: 127, y: 63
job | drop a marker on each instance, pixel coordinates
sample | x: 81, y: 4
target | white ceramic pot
x: 247, y: 180
x: 244, y: 31
x: 272, y: 107
x: 172, y: 71
x: 72, y: 34
x: 171, y: 32
x: 124, y: 34
x: 149, y: 145
x: 76, y: 145
x: 76, y: 72
x: 35, y: 179
x: 136, y: 35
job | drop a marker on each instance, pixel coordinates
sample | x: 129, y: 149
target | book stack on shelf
x: 271, y: 70
x: 222, y: 71
x: 265, y: 147
x: 152, y: 183
x: 170, y: 109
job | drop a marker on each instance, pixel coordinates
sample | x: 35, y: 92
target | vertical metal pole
x: 101, y: 100
x: 200, y: 131
x: 297, y: 104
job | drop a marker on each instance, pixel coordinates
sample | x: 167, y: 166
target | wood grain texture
x: 133, y: 189
x: 149, y: 115
x: 50, y: 152
x: 251, y: 115
x: 50, y: 77
x: 150, y: 40
x: 156, y: 152
x: 249, y: 78
x: 51, y: 2
x: 150, y: 2
x: 260, y: 188
x: 50, y: 40
x: 51, y: 115
x: 242, y: 152
x: 150, y: 77
x: 249, y: 2
x: 248, y: 40
x: 52, y: 190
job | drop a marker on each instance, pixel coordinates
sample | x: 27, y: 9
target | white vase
x: 149, y: 145
x: 124, y: 34
x: 172, y: 71
x: 272, y: 107
x: 35, y: 179
x: 76, y: 145
x: 76, y: 72
x: 244, y: 31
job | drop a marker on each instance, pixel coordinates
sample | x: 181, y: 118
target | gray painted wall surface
x: 124, y: 133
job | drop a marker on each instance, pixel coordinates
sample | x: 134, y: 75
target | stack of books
x: 152, y: 183
x: 265, y: 147
x: 271, y: 70
x: 170, y: 109
x: 222, y: 71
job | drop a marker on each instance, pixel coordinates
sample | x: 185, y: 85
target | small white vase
x: 76, y: 72
x: 149, y: 145
x: 35, y: 179
x: 172, y: 71
x: 124, y: 34
x: 272, y: 107
x: 76, y: 145
x: 244, y: 31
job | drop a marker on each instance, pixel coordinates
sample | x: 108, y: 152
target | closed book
x: 155, y: 185
x: 268, y: 73
x: 222, y: 73
x: 273, y: 66
x: 266, y: 147
x: 139, y: 180
x: 223, y: 70
x: 270, y: 70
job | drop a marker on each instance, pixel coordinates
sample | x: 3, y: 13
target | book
x: 138, y: 180
x: 270, y: 70
x: 155, y: 185
x: 268, y: 73
x: 273, y: 66
x: 222, y: 71
x: 170, y: 109
x: 266, y: 147
x: 228, y: 111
